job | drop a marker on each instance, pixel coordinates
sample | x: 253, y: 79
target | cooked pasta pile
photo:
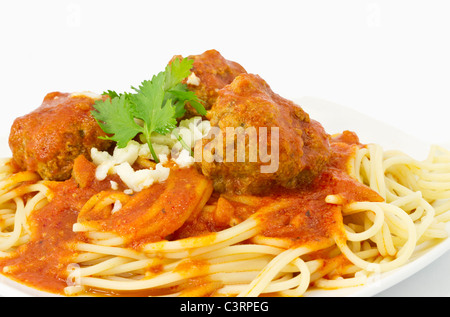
x: 240, y: 261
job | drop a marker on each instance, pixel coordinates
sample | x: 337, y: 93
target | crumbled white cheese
x: 89, y: 94
x: 117, y: 206
x: 193, y: 80
x: 104, y: 169
x: 106, y: 162
x: 190, y: 131
x: 122, y: 159
x: 114, y: 185
x: 163, y: 159
x: 161, y: 151
x: 99, y: 157
x: 127, y: 154
x: 138, y: 180
x: 121, y: 162
x: 184, y: 159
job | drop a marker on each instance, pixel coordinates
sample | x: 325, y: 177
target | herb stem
x: 150, y: 146
x: 155, y: 157
x: 183, y: 144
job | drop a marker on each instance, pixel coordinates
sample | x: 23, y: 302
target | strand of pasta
x: 231, y: 253
x: 397, y: 222
x: 6, y: 168
x: 202, y: 244
x: 17, y: 208
x: 396, y: 163
x: 374, y: 225
x: 407, y: 218
x: 402, y: 255
x: 258, y: 285
x: 109, y: 250
x: 171, y: 276
x: 377, y: 222
x: 219, y: 260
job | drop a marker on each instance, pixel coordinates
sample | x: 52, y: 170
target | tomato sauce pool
x: 42, y: 262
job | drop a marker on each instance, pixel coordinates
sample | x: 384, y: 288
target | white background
x: 387, y: 59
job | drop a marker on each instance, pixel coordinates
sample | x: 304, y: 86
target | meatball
x: 50, y: 138
x: 299, y: 144
x: 210, y: 72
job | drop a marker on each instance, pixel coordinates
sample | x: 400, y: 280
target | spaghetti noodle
x: 367, y: 238
x: 105, y: 195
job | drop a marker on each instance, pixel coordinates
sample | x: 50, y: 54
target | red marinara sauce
x: 307, y: 219
x: 42, y: 262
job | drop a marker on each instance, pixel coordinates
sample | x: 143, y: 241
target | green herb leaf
x: 150, y: 107
x: 157, y: 103
x: 177, y: 71
x: 111, y: 93
x: 181, y: 93
x: 115, y: 117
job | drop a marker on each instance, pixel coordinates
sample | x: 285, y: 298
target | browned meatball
x: 49, y: 139
x: 210, y: 72
x: 302, y: 145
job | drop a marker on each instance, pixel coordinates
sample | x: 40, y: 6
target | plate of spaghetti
x: 204, y: 182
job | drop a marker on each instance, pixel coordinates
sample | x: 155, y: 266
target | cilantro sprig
x: 154, y: 106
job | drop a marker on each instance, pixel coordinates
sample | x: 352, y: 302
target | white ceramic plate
x: 336, y: 118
